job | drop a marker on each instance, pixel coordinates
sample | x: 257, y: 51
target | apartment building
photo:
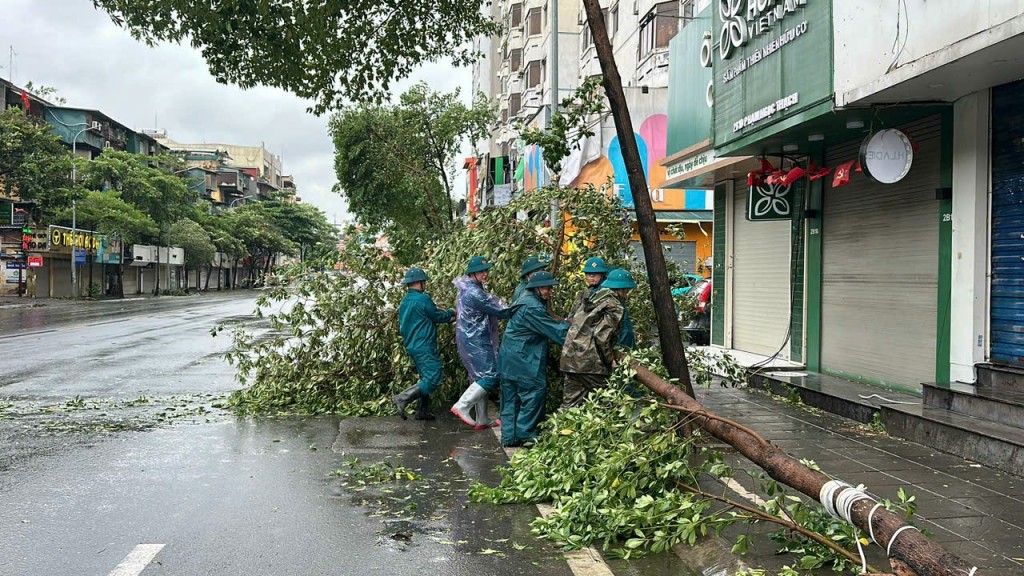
x: 523, y: 86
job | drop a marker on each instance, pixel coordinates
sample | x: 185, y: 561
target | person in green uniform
x: 523, y: 361
x: 588, y: 354
x: 417, y: 320
x: 594, y: 272
x: 529, y: 267
x: 627, y: 338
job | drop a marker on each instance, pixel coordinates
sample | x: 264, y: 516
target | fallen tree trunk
x: 924, y: 557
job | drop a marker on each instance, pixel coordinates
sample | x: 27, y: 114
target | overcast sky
x: 69, y: 45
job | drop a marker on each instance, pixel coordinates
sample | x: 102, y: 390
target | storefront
x: 880, y: 265
x: 821, y: 262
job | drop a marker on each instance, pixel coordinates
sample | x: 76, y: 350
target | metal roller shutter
x: 1007, y: 308
x: 760, y: 281
x: 683, y: 253
x: 880, y: 269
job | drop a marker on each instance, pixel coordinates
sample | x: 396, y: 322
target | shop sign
x: 770, y: 202
x: 690, y: 163
x: 35, y: 261
x: 886, y: 156
x: 763, y: 52
x: 771, y: 62
x: 766, y: 112
x: 740, y: 26
x: 12, y: 272
x: 61, y: 239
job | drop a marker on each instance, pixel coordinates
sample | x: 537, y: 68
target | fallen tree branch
x: 924, y: 557
x: 762, y: 515
x: 703, y: 413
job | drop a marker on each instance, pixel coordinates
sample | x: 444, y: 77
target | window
x: 588, y: 38
x: 658, y: 26
x: 514, y: 103
x: 515, y: 59
x: 686, y: 11
x: 613, y: 22
x: 516, y: 16
x: 533, y: 74
x: 533, y: 22
x: 504, y: 116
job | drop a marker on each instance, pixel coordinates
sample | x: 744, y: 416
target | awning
x: 695, y: 166
x: 680, y: 217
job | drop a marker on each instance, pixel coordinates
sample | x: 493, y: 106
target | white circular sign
x: 886, y: 156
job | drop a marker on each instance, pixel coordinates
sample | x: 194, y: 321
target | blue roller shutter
x: 1007, y: 309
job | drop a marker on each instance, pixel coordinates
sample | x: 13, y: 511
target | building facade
x: 640, y: 32
x: 867, y: 182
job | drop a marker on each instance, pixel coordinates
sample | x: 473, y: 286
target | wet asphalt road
x: 110, y: 438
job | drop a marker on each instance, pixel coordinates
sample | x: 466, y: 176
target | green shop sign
x: 770, y: 202
x: 771, y: 59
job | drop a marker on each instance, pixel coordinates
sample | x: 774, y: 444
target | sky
x: 71, y: 46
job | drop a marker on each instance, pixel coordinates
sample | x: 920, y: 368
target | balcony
x: 533, y: 98
x: 515, y: 38
x: 227, y: 181
x: 534, y: 50
x: 652, y: 69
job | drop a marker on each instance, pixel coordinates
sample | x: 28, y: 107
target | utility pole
x: 668, y: 325
x: 74, y: 223
x: 553, y: 108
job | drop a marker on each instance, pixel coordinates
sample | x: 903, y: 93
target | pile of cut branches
x: 333, y: 344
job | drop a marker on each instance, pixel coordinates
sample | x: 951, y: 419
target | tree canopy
x: 108, y: 213
x: 34, y: 165
x: 395, y: 163
x: 148, y: 183
x: 331, y: 51
x: 190, y: 236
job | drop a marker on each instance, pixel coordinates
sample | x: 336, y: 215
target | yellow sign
x: 61, y: 240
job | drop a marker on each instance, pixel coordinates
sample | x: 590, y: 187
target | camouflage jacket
x: 593, y: 334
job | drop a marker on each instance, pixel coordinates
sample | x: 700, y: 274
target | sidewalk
x: 976, y: 512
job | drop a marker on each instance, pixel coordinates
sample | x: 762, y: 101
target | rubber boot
x: 483, y: 422
x: 404, y: 398
x: 469, y: 399
x: 423, y: 408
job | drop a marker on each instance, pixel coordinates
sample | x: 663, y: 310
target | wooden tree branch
x: 702, y: 413
x: 923, y: 556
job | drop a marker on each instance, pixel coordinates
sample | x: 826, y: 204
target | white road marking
x: 137, y: 560
x: 739, y: 489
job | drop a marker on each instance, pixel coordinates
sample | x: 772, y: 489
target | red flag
x: 775, y: 177
x: 815, y: 173
x: 859, y: 169
x: 754, y: 179
x: 766, y: 166
x: 25, y: 100
x: 792, y: 176
x: 842, y: 177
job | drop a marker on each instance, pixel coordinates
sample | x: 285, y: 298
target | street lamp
x: 232, y: 203
x: 74, y: 179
